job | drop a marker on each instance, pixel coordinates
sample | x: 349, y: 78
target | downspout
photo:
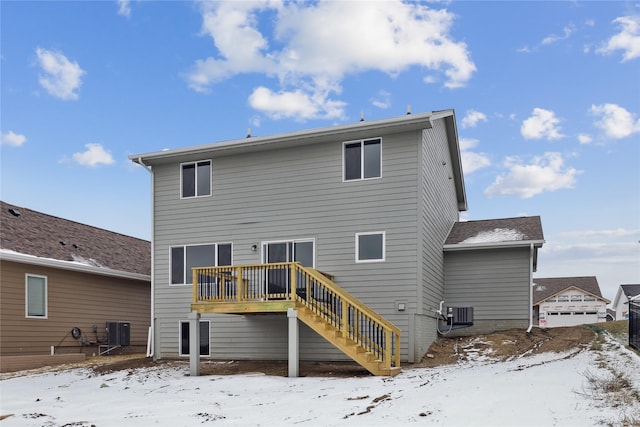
x: 530, y: 289
x: 151, y: 351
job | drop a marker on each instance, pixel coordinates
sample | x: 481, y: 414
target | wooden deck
x: 340, y: 318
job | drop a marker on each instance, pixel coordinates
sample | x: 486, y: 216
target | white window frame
x: 344, y: 160
x: 384, y: 246
x: 26, y: 296
x: 180, y: 323
x: 196, y: 179
x: 184, y: 260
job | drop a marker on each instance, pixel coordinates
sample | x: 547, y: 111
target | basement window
x: 204, y: 338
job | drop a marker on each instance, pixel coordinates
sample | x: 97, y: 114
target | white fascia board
x: 492, y: 245
x: 412, y: 121
x: 70, y: 265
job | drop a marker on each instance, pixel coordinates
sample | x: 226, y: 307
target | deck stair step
x: 354, y: 350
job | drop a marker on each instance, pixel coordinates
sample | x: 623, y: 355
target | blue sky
x: 546, y: 94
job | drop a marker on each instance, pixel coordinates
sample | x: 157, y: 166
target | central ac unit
x: 118, y: 333
x: 460, y: 316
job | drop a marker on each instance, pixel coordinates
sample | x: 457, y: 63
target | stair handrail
x: 348, y: 297
x: 390, y: 352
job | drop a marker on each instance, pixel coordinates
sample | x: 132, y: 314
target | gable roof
x: 545, y: 288
x: 496, y: 233
x: 34, y: 237
x: 346, y: 132
x: 630, y: 290
x: 491, y: 232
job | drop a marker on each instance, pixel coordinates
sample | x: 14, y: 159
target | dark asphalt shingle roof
x: 496, y: 230
x: 546, y: 287
x: 631, y: 290
x: 38, y: 234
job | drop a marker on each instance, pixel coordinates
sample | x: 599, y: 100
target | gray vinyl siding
x: 294, y: 194
x: 495, y: 282
x: 439, y: 210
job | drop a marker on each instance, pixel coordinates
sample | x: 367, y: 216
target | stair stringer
x: 350, y: 348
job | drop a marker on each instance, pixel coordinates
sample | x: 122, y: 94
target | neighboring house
x: 568, y: 301
x: 611, y: 315
x: 365, y: 210
x: 62, y: 281
x: 621, y: 301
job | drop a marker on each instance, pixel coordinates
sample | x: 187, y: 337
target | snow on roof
x: 496, y: 235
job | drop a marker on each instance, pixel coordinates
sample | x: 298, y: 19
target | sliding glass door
x: 278, y: 279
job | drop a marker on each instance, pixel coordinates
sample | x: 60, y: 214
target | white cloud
x: 567, y: 32
x: 584, y: 138
x: 124, y: 8
x: 542, y: 124
x: 472, y: 118
x: 588, y: 234
x: 295, y: 104
x: 93, y: 156
x: 13, y: 139
x: 545, y: 173
x: 472, y: 161
x: 313, y: 46
x: 627, y: 40
x: 61, y: 77
x: 382, y: 100
x: 615, y: 121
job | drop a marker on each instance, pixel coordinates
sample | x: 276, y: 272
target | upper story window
x: 36, y: 296
x: 362, y: 159
x: 196, y: 178
x: 184, y: 258
x: 370, y: 247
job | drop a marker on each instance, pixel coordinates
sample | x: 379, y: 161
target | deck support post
x: 294, y: 344
x: 194, y: 344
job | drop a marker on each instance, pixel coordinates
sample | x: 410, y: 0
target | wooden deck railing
x: 307, y: 287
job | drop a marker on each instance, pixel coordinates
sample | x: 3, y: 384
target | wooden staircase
x: 367, y: 359
x: 333, y: 313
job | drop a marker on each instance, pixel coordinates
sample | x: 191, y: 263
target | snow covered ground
x: 549, y: 389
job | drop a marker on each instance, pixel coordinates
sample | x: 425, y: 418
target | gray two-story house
x: 341, y: 227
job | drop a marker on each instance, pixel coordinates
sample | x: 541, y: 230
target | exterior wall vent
x: 460, y: 316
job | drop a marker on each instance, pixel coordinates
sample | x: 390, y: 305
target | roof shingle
x: 528, y: 228
x: 45, y: 236
x: 545, y: 287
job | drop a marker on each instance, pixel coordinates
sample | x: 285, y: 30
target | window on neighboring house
x: 370, y: 247
x: 204, y: 338
x: 184, y: 258
x: 36, y: 296
x: 362, y: 159
x: 196, y: 179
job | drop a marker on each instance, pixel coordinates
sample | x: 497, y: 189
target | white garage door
x: 570, y: 318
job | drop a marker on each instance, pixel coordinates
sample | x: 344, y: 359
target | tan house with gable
x: 64, y: 284
x: 568, y: 301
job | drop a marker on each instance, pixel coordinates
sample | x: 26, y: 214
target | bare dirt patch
x: 503, y: 345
